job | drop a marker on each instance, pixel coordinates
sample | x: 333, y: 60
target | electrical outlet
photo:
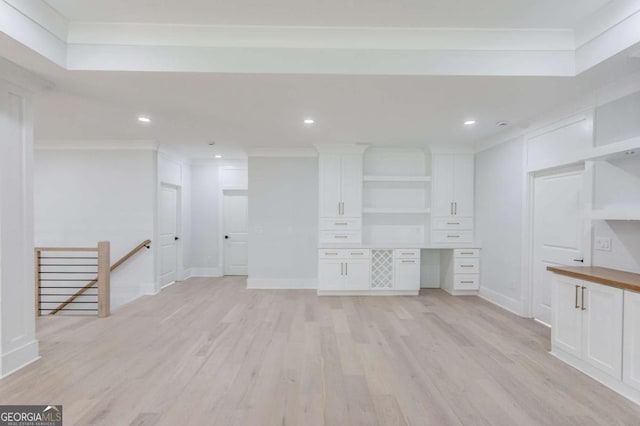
x: 603, y: 244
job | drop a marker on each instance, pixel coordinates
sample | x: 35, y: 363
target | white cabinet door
x: 357, y: 273
x: 631, y: 356
x: 406, y: 274
x: 330, y: 184
x: 331, y: 275
x: 602, y: 327
x: 442, y: 196
x: 463, y: 185
x: 351, y: 173
x: 566, y: 318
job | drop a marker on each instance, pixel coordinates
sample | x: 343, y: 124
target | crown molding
x: 96, y: 145
x: 282, y: 152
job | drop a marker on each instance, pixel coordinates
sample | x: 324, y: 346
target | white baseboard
x: 186, y: 274
x: 204, y: 272
x: 512, y: 305
x: 368, y: 293
x: 282, y: 283
x: 598, y: 375
x: 19, y: 358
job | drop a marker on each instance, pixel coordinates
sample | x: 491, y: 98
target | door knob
x: 226, y: 237
x: 578, y: 260
x: 175, y: 238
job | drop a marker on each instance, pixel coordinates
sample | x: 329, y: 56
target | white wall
x: 499, y: 190
x: 18, y: 344
x: 283, y: 222
x: 86, y: 196
x: 205, y: 235
x: 499, y: 182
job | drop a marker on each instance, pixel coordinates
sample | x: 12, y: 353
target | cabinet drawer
x: 406, y: 253
x: 466, y: 266
x: 339, y: 224
x: 466, y: 282
x: 339, y: 237
x: 332, y: 254
x: 466, y: 253
x: 358, y: 253
x: 453, y: 223
x: 452, y: 237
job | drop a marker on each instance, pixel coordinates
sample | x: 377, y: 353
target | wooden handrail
x: 80, y: 292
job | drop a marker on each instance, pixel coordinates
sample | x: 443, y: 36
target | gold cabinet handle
x: 330, y: 254
x: 341, y: 223
x: 466, y: 266
x: 583, y: 308
x: 408, y: 261
x: 453, y: 223
x: 577, y: 289
x: 346, y: 269
x: 341, y: 236
x: 453, y: 236
x: 466, y: 252
x: 466, y: 282
x: 341, y: 268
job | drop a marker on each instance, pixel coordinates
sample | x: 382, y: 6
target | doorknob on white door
x: 226, y: 237
x: 579, y: 260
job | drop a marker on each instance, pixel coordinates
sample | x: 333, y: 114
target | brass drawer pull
x: 577, y: 288
x: 341, y: 223
x: 453, y: 236
x: 467, y: 282
x: 453, y: 223
x: 408, y: 261
x: 341, y: 236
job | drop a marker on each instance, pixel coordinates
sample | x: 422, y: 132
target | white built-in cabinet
x: 587, y: 323
x: 452, y: 200
x: 460, y: 271
x: 369, y: 271
x: 596, y: 328
x: 631, y: 339
x: 340, y: 197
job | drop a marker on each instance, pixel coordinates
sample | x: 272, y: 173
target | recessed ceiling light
x: 144, y: 119
x: 309, y: 121
x: 218, y: 156
x: 469, y: 122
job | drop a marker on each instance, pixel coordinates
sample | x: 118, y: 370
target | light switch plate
x: 603, y: 244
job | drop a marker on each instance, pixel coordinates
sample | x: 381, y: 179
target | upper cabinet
x: 340, y: 185
x: 452, y: 203
x: 452, y: 185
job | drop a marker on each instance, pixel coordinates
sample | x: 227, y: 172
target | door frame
x: 529, y: 219
x: 222, y: 188
x: 179, y: 247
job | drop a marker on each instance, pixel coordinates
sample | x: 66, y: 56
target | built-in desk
x: 392, y: 270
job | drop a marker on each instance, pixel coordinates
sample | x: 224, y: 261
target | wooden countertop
x: 610, y: 277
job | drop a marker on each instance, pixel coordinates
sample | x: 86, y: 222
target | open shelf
x: 396, y: 210
x: 615, y: 214
x: 372, y: 178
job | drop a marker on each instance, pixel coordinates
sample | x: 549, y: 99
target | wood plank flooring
x: 210, y: 352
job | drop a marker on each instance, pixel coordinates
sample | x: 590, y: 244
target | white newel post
x: 18, y: 344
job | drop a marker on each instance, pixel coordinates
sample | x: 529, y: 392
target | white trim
x: 282, y: 283
x: 96, y: 145
x: 45, y: 16
x: 282, y: 152
x: 514, y: 306
x: 18, y: 358
x: 368, y: 293
x: 168, y: 285
x: 186, y: 274
x: 542, y: 322
x: 205, y: 272
x: 316, y: 37
x: 612, y: 383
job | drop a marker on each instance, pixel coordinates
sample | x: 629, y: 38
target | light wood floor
x: 208, y: 351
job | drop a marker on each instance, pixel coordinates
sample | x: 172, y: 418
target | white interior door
x: 168, y: 223
x: 557, y: 232
x: 235, y: 232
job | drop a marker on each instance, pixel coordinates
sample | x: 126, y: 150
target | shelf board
x: 372, y: 178
x: 615, y: 214
x: 396, y: 210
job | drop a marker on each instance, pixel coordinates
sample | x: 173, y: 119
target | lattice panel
x: 381, y: 268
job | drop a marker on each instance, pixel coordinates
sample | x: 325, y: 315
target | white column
x: 18, y: 344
